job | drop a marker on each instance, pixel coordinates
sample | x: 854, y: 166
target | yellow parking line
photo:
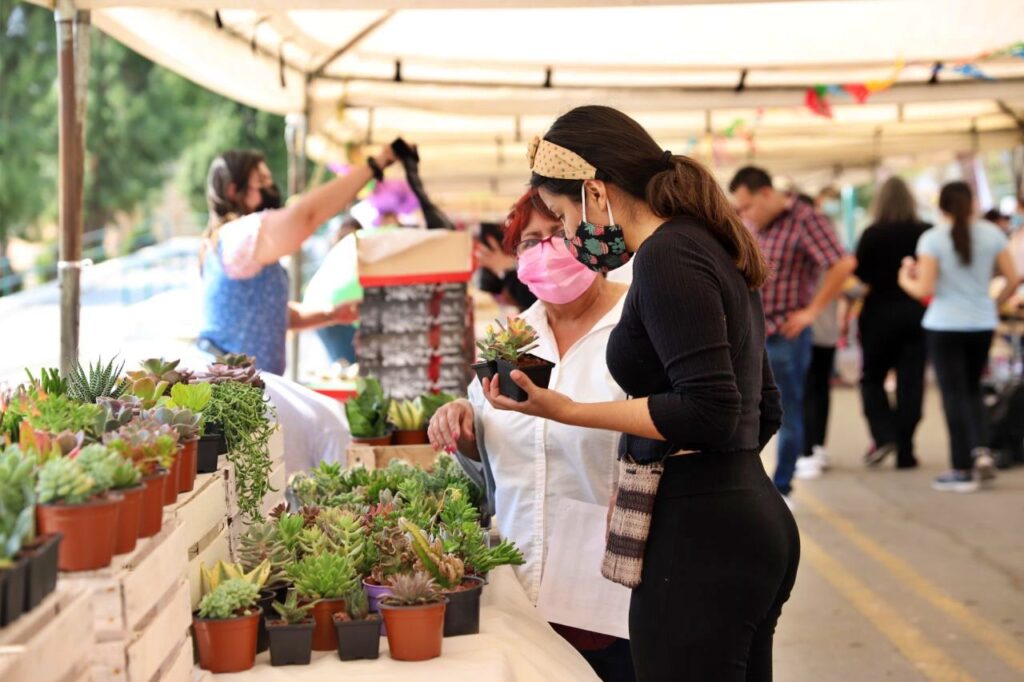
x: 989, y: 635
x: 928, y: 658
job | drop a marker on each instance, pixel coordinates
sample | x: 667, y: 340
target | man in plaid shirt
x: 799, y: 244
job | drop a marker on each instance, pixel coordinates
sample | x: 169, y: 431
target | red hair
x: 520, y: 216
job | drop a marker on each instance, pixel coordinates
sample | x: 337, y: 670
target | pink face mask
x: 553, y: 274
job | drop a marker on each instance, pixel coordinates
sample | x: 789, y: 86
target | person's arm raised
x: 284, y: 229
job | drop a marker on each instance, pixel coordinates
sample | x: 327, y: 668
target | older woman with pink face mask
x: 534, y: 463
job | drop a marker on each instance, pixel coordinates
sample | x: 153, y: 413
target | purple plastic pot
x: 374, y: 593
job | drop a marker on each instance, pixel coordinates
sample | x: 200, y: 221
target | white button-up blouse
x: 535, y: 462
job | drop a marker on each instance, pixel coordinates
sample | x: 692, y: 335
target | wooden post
x: 295, y: 139
x: 72, y: 68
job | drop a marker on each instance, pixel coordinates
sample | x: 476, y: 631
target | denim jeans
x: 339, y: 341
x: 789, y: 359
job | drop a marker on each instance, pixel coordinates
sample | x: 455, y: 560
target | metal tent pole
x: 73, y: 69
x: 295, y: 138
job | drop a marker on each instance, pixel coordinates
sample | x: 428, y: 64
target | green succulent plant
x: 262, y: 542
x: 447, y: 570
x: 49, y: 382
x: 230, y: 599
x: 148, y: 390
x: 367, y: 411
x: 325, y: 576
x: 407, y: 415
x: 17, y: 502
x: 219, y: 373
x: 108, y: 468
x: 161, y: 371
x: 64, y: 480
x: 357, y: 604
x: 193, y: 397
x: 291, y: 611
x: 99, y: 381
x: 432, y: 402
x: 182, y: 420
x: 115, y: 413
x: 413, y: 589
x: 57, y: 413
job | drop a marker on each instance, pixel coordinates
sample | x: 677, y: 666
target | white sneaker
x: 984, y: 464
x: 808, y: 468
x: 819, y: 453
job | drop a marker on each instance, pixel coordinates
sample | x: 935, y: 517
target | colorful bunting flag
x: 816, y: 102
x: 972, y: 71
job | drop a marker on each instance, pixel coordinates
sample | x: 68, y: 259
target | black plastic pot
x: 12, y: 604
x: 540, y: 374
x: 216, y: 431
x: 290, y: 644
x: 462, y: 617
x: 485, y: 370
x: 42, y: 570
x: 267, y: 597
x: 208, y: 452
x: 358, y: 639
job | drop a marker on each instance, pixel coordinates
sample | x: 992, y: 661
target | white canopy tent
x: 471, y: 81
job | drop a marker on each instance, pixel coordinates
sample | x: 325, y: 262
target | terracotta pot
x: 153, y: 504
x: 418, y: 437
x: 375, y: 442
x: 324, y: 637
x: 189, y: 458
x: 415, y: 633
x: 129, y: 518
x: 226, y: 645
x: 89, y: 531
x: 171, y: 482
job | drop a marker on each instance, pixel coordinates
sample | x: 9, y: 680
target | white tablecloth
x: 514, y: 644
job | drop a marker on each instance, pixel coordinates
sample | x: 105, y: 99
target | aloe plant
x: 415, y: 589
x: 446, y: 569
x: 291, y: 611
x: 49, y: 382
x: 99, y: 381
x: 222, y: 571
x: 407, y: 415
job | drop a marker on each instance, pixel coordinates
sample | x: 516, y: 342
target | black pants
x: 818, y: 397
x: 893, y: 341
x: 959, y: 359
x: 612, y: 664
x: 720, y: 562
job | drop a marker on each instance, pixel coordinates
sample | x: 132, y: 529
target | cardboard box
x: 408, y: 256
x: 378, y: 457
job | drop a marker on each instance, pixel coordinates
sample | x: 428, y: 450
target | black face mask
x: 270, y: 198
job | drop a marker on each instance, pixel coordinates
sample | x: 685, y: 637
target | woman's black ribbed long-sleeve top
x: 691, y: 340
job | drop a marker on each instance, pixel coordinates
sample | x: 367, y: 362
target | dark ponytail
x: 957, y: 201
x: 626, y: 156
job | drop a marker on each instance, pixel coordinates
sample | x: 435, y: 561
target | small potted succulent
x: 195, y: 397
x: 162, y: 371
x: 367, y: 414
x: 325, y: 579
x: 487, y: 366
x: 187, y: 424
x: 291, y: 636
x: 233, y: 367
x: 17, y: 511
x: 98, y: 381
x: 357, y: 629
x: 72, y: 504
x: 111, y: 471
x: 414, y: 615
x: 150, y: 446
x: 410, y: 422
x: 462, y: 616
x: 513, y: 345
x: 225, y: 627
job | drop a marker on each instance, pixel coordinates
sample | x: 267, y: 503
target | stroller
x: 1004, y: 397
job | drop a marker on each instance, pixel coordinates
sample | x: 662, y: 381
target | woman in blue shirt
x: 954, y: 268
x: 245, y: 289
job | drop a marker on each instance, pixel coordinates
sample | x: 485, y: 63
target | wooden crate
x: 204, y: 509
x: 378, y: 457
x: 208, y: 552
x: 140, y: 655
x: 179, y: 667
x: 128, y: 590
x: 51, y: 643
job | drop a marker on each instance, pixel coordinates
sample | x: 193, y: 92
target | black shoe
x: 907, y: 464
x: 879, y: 454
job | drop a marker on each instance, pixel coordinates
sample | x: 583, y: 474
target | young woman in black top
x: 890, y: 326
x: 722, y: 551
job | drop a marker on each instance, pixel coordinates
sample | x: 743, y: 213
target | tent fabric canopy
x: 472, y: 81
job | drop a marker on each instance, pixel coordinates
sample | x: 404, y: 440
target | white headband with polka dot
x: 551, y: 161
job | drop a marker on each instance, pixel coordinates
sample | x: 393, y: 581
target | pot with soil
x: 367, y: 414
x: 171, y: 482
x: 42, y: 569
x: 189, y: 456
x: 358, y: 639
x: 537, y: 369
x: 13, y: 583
x: 225, y: 627
x: 153, y: 503
x: 410, y: 422
x: 265, y: 602
x: 485, y: 369
x: 290, y: 634
x: 414, y: 615
x: 374, y: 441
x: 511, y: 344
x: 462, y: 617
x: 70, y: 504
